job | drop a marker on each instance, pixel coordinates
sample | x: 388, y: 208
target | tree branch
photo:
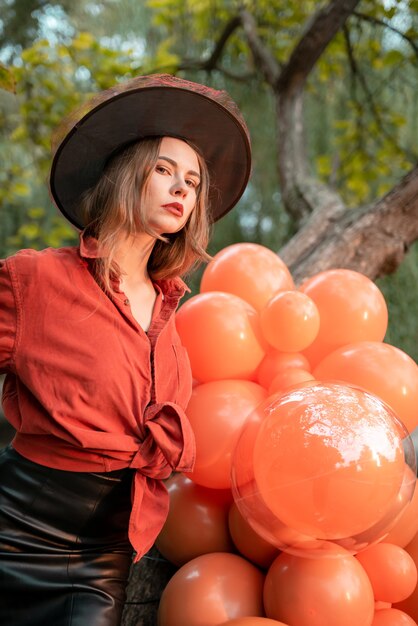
x: 372, y: 239
x: 370, y: 98
x: 360, y: 77
x: 268, y: 65
x: 379, y: 22
x: 212, y: 62
x: 316, y: 37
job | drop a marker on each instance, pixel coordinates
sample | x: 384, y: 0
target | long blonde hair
x: 114, y: 208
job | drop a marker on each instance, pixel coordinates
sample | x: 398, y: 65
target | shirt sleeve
x: 8, y: 319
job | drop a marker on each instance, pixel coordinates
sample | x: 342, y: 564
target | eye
x: 190, y: 182
x: 161, y: 169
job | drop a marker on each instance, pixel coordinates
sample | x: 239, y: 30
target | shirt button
x: 126, y: 301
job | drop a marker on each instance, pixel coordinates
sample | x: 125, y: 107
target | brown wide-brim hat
x: 145, y: 106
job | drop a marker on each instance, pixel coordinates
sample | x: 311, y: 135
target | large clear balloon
x: 211, y: 589
x: 324, y: 466
x: 197, y: 521
x: 351, y: 308
x: 391, y: 570
x: 221, y: 333
x: 406, y: 527
x: 249, y: 271
x: 317, y: 591
x: 379, y: 368
x: 317, y: 466
x: 217, y: 412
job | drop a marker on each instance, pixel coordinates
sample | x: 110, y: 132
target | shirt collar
x: 89, y: 246
x: 89, y: 249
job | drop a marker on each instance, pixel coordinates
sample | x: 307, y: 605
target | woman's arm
x: 8, y: 319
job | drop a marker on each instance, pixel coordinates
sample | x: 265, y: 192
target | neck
x: 132, y: 257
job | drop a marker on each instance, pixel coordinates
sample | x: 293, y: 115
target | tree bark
x: 371, y: 239
x: 146, y: 583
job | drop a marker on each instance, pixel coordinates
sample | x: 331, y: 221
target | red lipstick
x: 175, y: 208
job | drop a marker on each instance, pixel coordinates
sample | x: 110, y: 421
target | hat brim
x: 152, y: 111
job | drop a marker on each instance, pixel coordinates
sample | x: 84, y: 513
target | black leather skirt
x: 64, y: 550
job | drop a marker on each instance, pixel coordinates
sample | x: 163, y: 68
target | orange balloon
x: 308, y: 475
x: 222, y: 336
x: 290, y: 321
x: 253, y: 621
x: 289, y: 378
x: 211, y: 589
x: 351, y: 307
x: 249, y: 271
x: 392, y: 617
x: 391, y: 570
x: 410, y: 604
x: 248, y: 542
x: 315, y: 591
x: 275, y: 362
x: 406, y: 527
x: 197, y: 522
x: 381, y: 369
x: 217, y: 412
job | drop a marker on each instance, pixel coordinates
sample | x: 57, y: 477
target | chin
x: 167, y: 226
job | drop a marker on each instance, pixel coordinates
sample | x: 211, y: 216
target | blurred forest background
x: 361, y: 106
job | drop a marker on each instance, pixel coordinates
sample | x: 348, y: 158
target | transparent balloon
x: 323, y: 466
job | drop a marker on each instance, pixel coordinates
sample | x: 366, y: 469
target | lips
x: 175, y: 207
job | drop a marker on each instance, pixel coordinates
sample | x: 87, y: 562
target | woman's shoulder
x: 48, y: 257
x: 28, y: 264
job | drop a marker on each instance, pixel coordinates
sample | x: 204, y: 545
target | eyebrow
x: 174, y: 164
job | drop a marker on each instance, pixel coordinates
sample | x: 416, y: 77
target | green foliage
x: 7, y: 79
x: 163, y: 59
x: 370, y: 106
x: 51, y: 80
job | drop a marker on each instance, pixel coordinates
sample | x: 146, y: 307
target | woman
x: 97, y: 380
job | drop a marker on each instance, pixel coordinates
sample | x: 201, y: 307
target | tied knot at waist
x: 168, y: 442
x: 165, y: 443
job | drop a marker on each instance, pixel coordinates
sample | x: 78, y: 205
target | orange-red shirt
x: 86, y: 388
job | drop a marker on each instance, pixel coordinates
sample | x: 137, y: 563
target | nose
x: 179, y: 188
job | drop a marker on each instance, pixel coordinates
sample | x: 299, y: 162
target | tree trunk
x: 146, y: 583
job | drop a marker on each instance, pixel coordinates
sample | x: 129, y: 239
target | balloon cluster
x: 301, y: 509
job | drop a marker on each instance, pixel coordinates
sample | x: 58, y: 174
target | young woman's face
x: 172, y: 187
